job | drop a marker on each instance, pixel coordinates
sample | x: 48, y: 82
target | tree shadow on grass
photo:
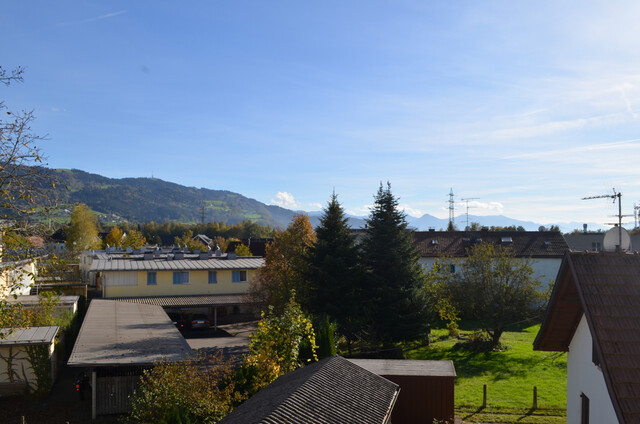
x: 501, y: 365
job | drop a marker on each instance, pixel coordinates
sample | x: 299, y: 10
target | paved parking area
x: 236, y: 340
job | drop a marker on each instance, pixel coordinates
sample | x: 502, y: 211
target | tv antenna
x: 636, y: 208
x: 467, y: 200
x: 451, y: 208
x: 613, y: 196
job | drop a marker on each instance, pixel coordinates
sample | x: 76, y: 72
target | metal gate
x: 114, y: 388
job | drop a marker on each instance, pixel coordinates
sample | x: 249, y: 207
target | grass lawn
x: 510, y: 376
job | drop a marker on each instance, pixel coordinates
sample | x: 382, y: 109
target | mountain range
x: 151, y: 199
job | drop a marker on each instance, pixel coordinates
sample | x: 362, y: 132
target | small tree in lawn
x: 393, y: 292
x: 335, y: 273
x: 495, y: 288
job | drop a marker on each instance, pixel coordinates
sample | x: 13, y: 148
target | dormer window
x: 506, y: 240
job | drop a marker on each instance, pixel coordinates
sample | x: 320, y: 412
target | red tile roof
x: 606, y: 288
x: 530, y: 244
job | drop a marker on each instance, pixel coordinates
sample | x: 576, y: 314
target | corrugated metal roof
x: 120, y: 333
x: 30, y: 336
x: 408, y: 367
x: 330, y: 391
x: 529, y: 244
x: 190, y: 263
x: 195, y: 300
x: 606, y: 288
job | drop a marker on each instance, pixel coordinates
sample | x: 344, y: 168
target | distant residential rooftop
x: 533, y: 244
x: 170, y: 260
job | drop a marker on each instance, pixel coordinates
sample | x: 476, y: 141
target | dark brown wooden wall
x: 423, y: 399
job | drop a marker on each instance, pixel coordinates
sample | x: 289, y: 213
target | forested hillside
x: 151, y: 199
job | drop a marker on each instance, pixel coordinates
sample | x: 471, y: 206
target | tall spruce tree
x: 336, y: 273
x: 393, y: 294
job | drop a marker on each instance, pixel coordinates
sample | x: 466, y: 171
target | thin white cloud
x: 96, y: 18
x: 285, y: 200
x: 571, y: 152
x: 416, y: 213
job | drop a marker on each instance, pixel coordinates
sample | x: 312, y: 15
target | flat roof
x: 407, y: 367
x: 120, y: 334
x: 30, y: 336
x: 194, y: 300
x: 190, y: 262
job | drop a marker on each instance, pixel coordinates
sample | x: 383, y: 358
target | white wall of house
x: 546, y: 270
x: 583, y: 376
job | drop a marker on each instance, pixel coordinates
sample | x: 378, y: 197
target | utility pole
x: 467, y: 202
x: 451, y: 208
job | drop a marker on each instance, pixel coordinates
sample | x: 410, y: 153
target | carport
x: 117, y: 341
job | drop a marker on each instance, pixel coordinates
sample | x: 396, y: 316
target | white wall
x: 545, y: 270
x: 583, y: 376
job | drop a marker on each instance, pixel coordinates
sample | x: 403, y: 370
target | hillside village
x: 130, y: 310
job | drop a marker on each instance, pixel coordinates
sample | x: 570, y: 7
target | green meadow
x: 509, y: 374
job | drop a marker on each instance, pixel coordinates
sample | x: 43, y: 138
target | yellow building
x: 200, y: 282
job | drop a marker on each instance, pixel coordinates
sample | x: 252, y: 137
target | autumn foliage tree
x: 286, y: 265
x: 275, y: 346
x: 201, y: 390
x: 82, y: 233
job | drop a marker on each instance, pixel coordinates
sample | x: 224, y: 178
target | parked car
x: 200, y: 321
x: 179, y: 320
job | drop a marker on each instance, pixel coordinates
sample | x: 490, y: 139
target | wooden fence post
x: 535, y: 397
x: 484, y: 395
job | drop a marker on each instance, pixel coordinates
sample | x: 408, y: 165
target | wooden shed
x: 426, y: 388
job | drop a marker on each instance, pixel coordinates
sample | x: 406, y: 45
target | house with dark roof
x: 333, y: 390
x: 545, y: 249
x: 594, y: 315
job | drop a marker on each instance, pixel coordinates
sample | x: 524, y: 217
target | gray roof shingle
x: 333, y: 390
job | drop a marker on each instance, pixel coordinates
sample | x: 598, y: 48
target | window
x: 180, y: 277
x: 452, y: 268
x: 596, y: 246
x: 213, y: 277
x: 151, y: 279
x: 239, y: 276
x: 584, y: 416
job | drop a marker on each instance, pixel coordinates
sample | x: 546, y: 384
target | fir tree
x: 393, y: 289
x: 336, y: 274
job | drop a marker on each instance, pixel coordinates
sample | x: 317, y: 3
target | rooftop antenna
x: 467, y: 200
x: 451, y: 208
x: 613, y: 196
x: 636, y: 208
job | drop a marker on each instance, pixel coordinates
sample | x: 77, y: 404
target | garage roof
x: 121, y: 334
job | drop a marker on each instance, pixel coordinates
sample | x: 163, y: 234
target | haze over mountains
x: 152, y: 199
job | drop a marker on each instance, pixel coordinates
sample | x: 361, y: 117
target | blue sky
x: 528, y: 106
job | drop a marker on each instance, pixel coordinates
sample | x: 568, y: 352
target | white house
x: 544, y: 249
x: 594, y: 315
